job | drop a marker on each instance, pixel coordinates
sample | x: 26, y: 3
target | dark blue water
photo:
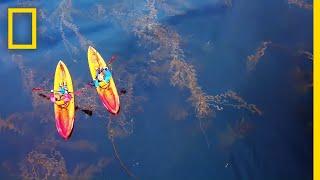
x: 22, y: 31
x: 158, y: 134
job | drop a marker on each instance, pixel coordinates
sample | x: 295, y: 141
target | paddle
x: 122, y: 91
x: 46, y: 90
x: 86, y: 111
x: 112, y: 59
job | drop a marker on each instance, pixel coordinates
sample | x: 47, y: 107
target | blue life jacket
x: 107, y: 75
x: 96, y: 83
x: 62, y: 90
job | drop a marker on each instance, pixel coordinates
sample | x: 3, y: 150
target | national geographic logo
x: 33, y: 12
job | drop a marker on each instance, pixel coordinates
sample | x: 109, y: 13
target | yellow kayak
x: 107, y: 91
x: 64, y: 113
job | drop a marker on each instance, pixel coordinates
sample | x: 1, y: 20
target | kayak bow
x: 64, y: 115
x: 108, y: 94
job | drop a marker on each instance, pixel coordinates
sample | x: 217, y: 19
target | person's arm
x: 52, y: 98
x: 109, y: 67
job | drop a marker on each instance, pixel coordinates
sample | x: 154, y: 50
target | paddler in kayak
x: 62, y: 97
x: 103, y: 76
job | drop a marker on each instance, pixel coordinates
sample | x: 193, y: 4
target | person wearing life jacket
x: 62, y: 96
x: 103, y: 76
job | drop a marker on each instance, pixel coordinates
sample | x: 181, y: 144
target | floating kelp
x: 120, y: 126
x: 18, y: 122
x: 169, y: 9
x: 27, y: 74
x: 301, y: 4
x: 234, y: 132
x: 253, y: 60
x: 303, y: 80
x: 233, y: 100
x: 116, y: 129
x: 46, y: 162
x: 184, y: 76
x: 29, y: 79
x: 79, y: 145
x: 84, y: 171
x: 10, y: 124
x: 167, y: 51
x: 61, y: 20
x: 39, y: 165
x: 98, y: 12
x: 177, y: 113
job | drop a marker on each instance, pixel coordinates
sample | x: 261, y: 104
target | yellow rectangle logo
x: 33, y: 12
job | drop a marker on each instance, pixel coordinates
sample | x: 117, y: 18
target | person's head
x: 100, y: 77
x: 98, y: 70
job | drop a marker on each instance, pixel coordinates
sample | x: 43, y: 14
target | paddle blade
x: 112, y: 59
